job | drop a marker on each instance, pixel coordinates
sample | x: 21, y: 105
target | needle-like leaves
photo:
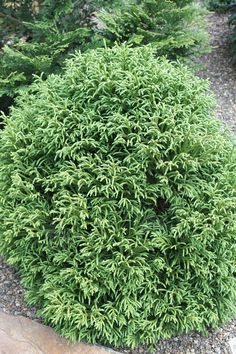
x: 118, y: 199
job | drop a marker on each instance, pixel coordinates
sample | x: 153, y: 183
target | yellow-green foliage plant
x: 118, y: 199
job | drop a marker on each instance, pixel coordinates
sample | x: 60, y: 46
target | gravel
x: 216, y: 342
x: 220, y: 69
x: 221, y: 72
x: 12, y: 294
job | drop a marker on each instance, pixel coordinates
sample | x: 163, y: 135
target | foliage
x: 118, y: 199
x: 40, y: 43
x: 219, y: 5
x: 14, y: 12
x: 175, y: 28
x: 45, y: 54
x: 53, y: 29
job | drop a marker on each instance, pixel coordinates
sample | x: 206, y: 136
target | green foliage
x: 44, y: 34
x: 14, y: 12
x: 219, y: 5
x: 40, y: 43
x: 174, y: 28
x: 43, y: 55
x: 118, y: 199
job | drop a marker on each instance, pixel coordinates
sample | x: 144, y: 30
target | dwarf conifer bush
x: 118, y: 199
x: 174, y: 27
x: 220, y: 5
x: 37, y: 36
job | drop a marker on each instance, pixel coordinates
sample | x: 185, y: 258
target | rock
x: 20, y: 335
x: 232, y: 344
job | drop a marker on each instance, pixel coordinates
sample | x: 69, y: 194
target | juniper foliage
x: 43, y: 34
x: 175, y: 28
x: 219, y: 5
x: 39, y: 41
x: 118, y: 199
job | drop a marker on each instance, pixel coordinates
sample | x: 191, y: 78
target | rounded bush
x: 118, y: 199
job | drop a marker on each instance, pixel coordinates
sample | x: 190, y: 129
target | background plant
x: 175, y: 28
x: 42, y: 34
x: 118, y: 199
x: 39, y: 38
x: 219, y: 5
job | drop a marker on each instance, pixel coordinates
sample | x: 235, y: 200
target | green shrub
x: 39, y: 36
x: 42, y: 37
x: 218, y: 5
x: 118, y: 199
x: 12, y: 13
x: 43, y: 55
x: 175, y: 28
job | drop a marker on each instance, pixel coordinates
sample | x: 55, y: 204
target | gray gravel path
x: 221, y: 72
x: 12, y: 294
x: 220, y: 69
